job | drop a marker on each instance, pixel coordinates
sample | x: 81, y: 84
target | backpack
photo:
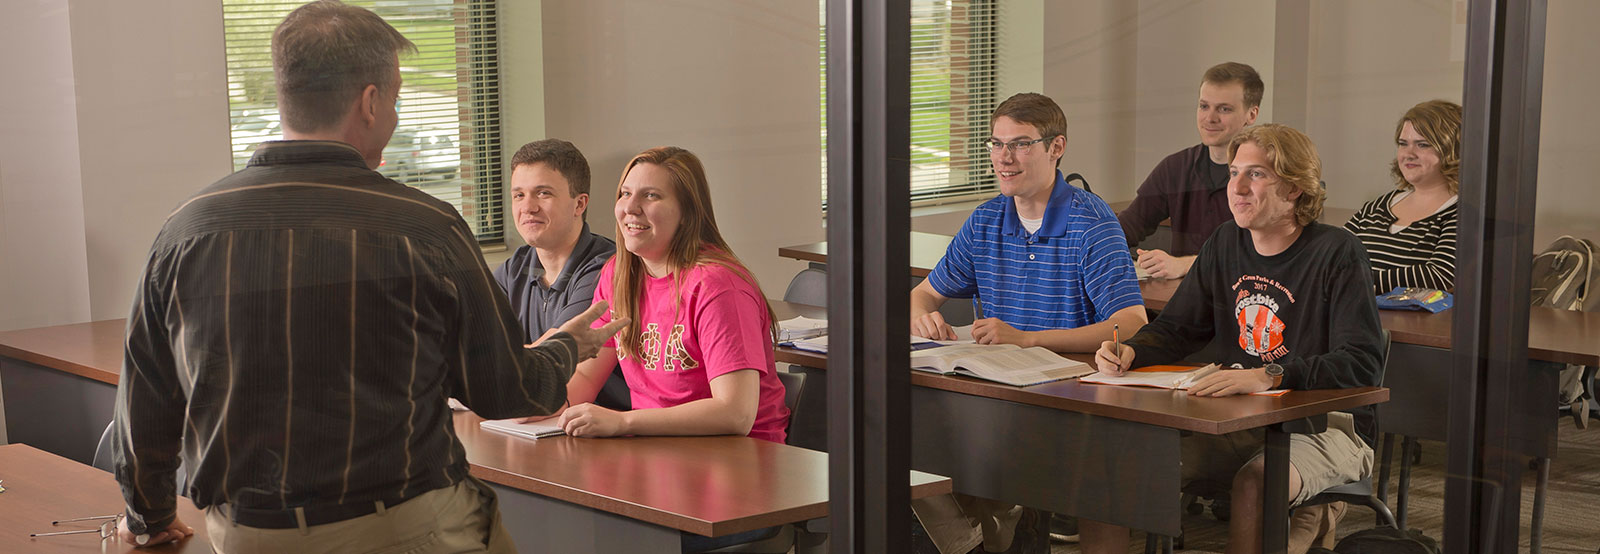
x: 1563, y: 278
x: 1564, y: 275
x: 1387, y: 540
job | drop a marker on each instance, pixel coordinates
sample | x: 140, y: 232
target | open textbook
x: 538, y: 429
x: 1001, y: 363
x: 1165, y: 377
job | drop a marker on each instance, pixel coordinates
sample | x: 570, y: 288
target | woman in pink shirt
x: 698, y: 354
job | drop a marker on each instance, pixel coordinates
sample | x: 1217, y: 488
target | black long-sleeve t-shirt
x: 1309, y: 308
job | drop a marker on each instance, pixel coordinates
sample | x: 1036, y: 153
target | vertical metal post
x: 869, y: 215
x: 1489, y: 397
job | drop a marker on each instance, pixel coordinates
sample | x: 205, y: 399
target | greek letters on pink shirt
x: 718, y: 324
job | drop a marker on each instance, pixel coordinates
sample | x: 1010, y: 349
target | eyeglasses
x: 108, y: 528
x: 1015, y: 146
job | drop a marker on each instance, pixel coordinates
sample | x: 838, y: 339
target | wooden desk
x: 557, y: 495
x: 634, y: 494
x: 1095, y: 451
x: 60, y: 385
x: 42, y: 487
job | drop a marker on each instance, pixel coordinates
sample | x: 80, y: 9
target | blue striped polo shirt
x: 1074, y: 271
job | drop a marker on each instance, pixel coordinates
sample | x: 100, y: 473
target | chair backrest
x: 793, y: 385
x: 810, y: 286
x: 102, y: 452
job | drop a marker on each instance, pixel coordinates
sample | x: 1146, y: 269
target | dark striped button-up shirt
x: 297, y: 330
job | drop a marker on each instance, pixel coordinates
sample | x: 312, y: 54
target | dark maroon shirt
x: 1187, y: 188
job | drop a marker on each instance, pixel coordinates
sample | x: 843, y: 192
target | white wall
x: 44, y: 278
x: 733, y: 82
x: 152, y: 128
x: 1370, y: 62
x: 1569, y: 200
x: 521, y: 92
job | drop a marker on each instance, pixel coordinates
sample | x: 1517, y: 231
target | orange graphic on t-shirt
x: 1260, y: 330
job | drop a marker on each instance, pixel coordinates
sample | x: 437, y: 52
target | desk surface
x: 41, y: 487
x: 92, y: 350
x: 665, y: 480
x: 1164, y: 408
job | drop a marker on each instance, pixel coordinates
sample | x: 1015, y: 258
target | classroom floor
x: 1572, y: 509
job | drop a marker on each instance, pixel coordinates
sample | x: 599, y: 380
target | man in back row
x: 301, y: 323
x: 552, y: 279
x: 1290, y: 300
x: 1190, y: 186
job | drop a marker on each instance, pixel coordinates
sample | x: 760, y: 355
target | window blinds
x: 954, y: 82
x: 447, y: 142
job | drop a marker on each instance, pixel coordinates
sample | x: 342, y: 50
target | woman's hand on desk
x: 1113, y: 358
x: 589, y: 420
x: 1232, y: 381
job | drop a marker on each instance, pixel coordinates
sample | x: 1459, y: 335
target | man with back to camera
x: 1288, y: 298
x: 1050, y: 265
x: 1190, y: 186
x: 300, y: 324
x: 550, y: 201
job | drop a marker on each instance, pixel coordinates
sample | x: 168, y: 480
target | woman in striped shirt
x: 1410, y: 232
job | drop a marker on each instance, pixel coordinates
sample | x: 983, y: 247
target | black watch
x: 1273, y: 370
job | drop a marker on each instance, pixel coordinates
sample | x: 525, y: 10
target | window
x: 954, y: 81
x: 448, y: 140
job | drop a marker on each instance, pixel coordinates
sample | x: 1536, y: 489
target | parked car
x: 419, y: 156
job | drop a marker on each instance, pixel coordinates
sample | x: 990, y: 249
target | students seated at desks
x: 1052, y: 269
x: 1291, y: 300
x: 550, y: 201
x: 1410, y: 232
x: 1190, y: 186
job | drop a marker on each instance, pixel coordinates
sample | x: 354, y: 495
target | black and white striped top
x: 1422, y: 254
x: 297, y: 330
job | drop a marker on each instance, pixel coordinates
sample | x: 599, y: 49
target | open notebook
x: 1001, y: 363
x: 538, y: 429
x: 1165, y: 377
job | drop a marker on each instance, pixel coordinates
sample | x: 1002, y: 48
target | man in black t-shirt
x: 1290, y: 301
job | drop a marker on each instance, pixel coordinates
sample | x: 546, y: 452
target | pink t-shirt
x: 718, y: 325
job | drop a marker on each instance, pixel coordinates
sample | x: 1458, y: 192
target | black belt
x: 314, y: 515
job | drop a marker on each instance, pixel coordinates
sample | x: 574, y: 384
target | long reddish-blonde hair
x: 697, y: 241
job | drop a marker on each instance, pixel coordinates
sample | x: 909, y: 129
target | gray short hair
x: 324, y: 54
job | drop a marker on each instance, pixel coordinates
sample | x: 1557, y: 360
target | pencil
x: 1114, y: 338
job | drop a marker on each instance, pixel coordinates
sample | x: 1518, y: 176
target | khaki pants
x: 461, y: 518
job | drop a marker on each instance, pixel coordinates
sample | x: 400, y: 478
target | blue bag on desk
x: 1413, y: 298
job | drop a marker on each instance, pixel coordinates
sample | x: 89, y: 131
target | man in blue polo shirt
x: 1050, y: 265
x: 1047, y: 260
